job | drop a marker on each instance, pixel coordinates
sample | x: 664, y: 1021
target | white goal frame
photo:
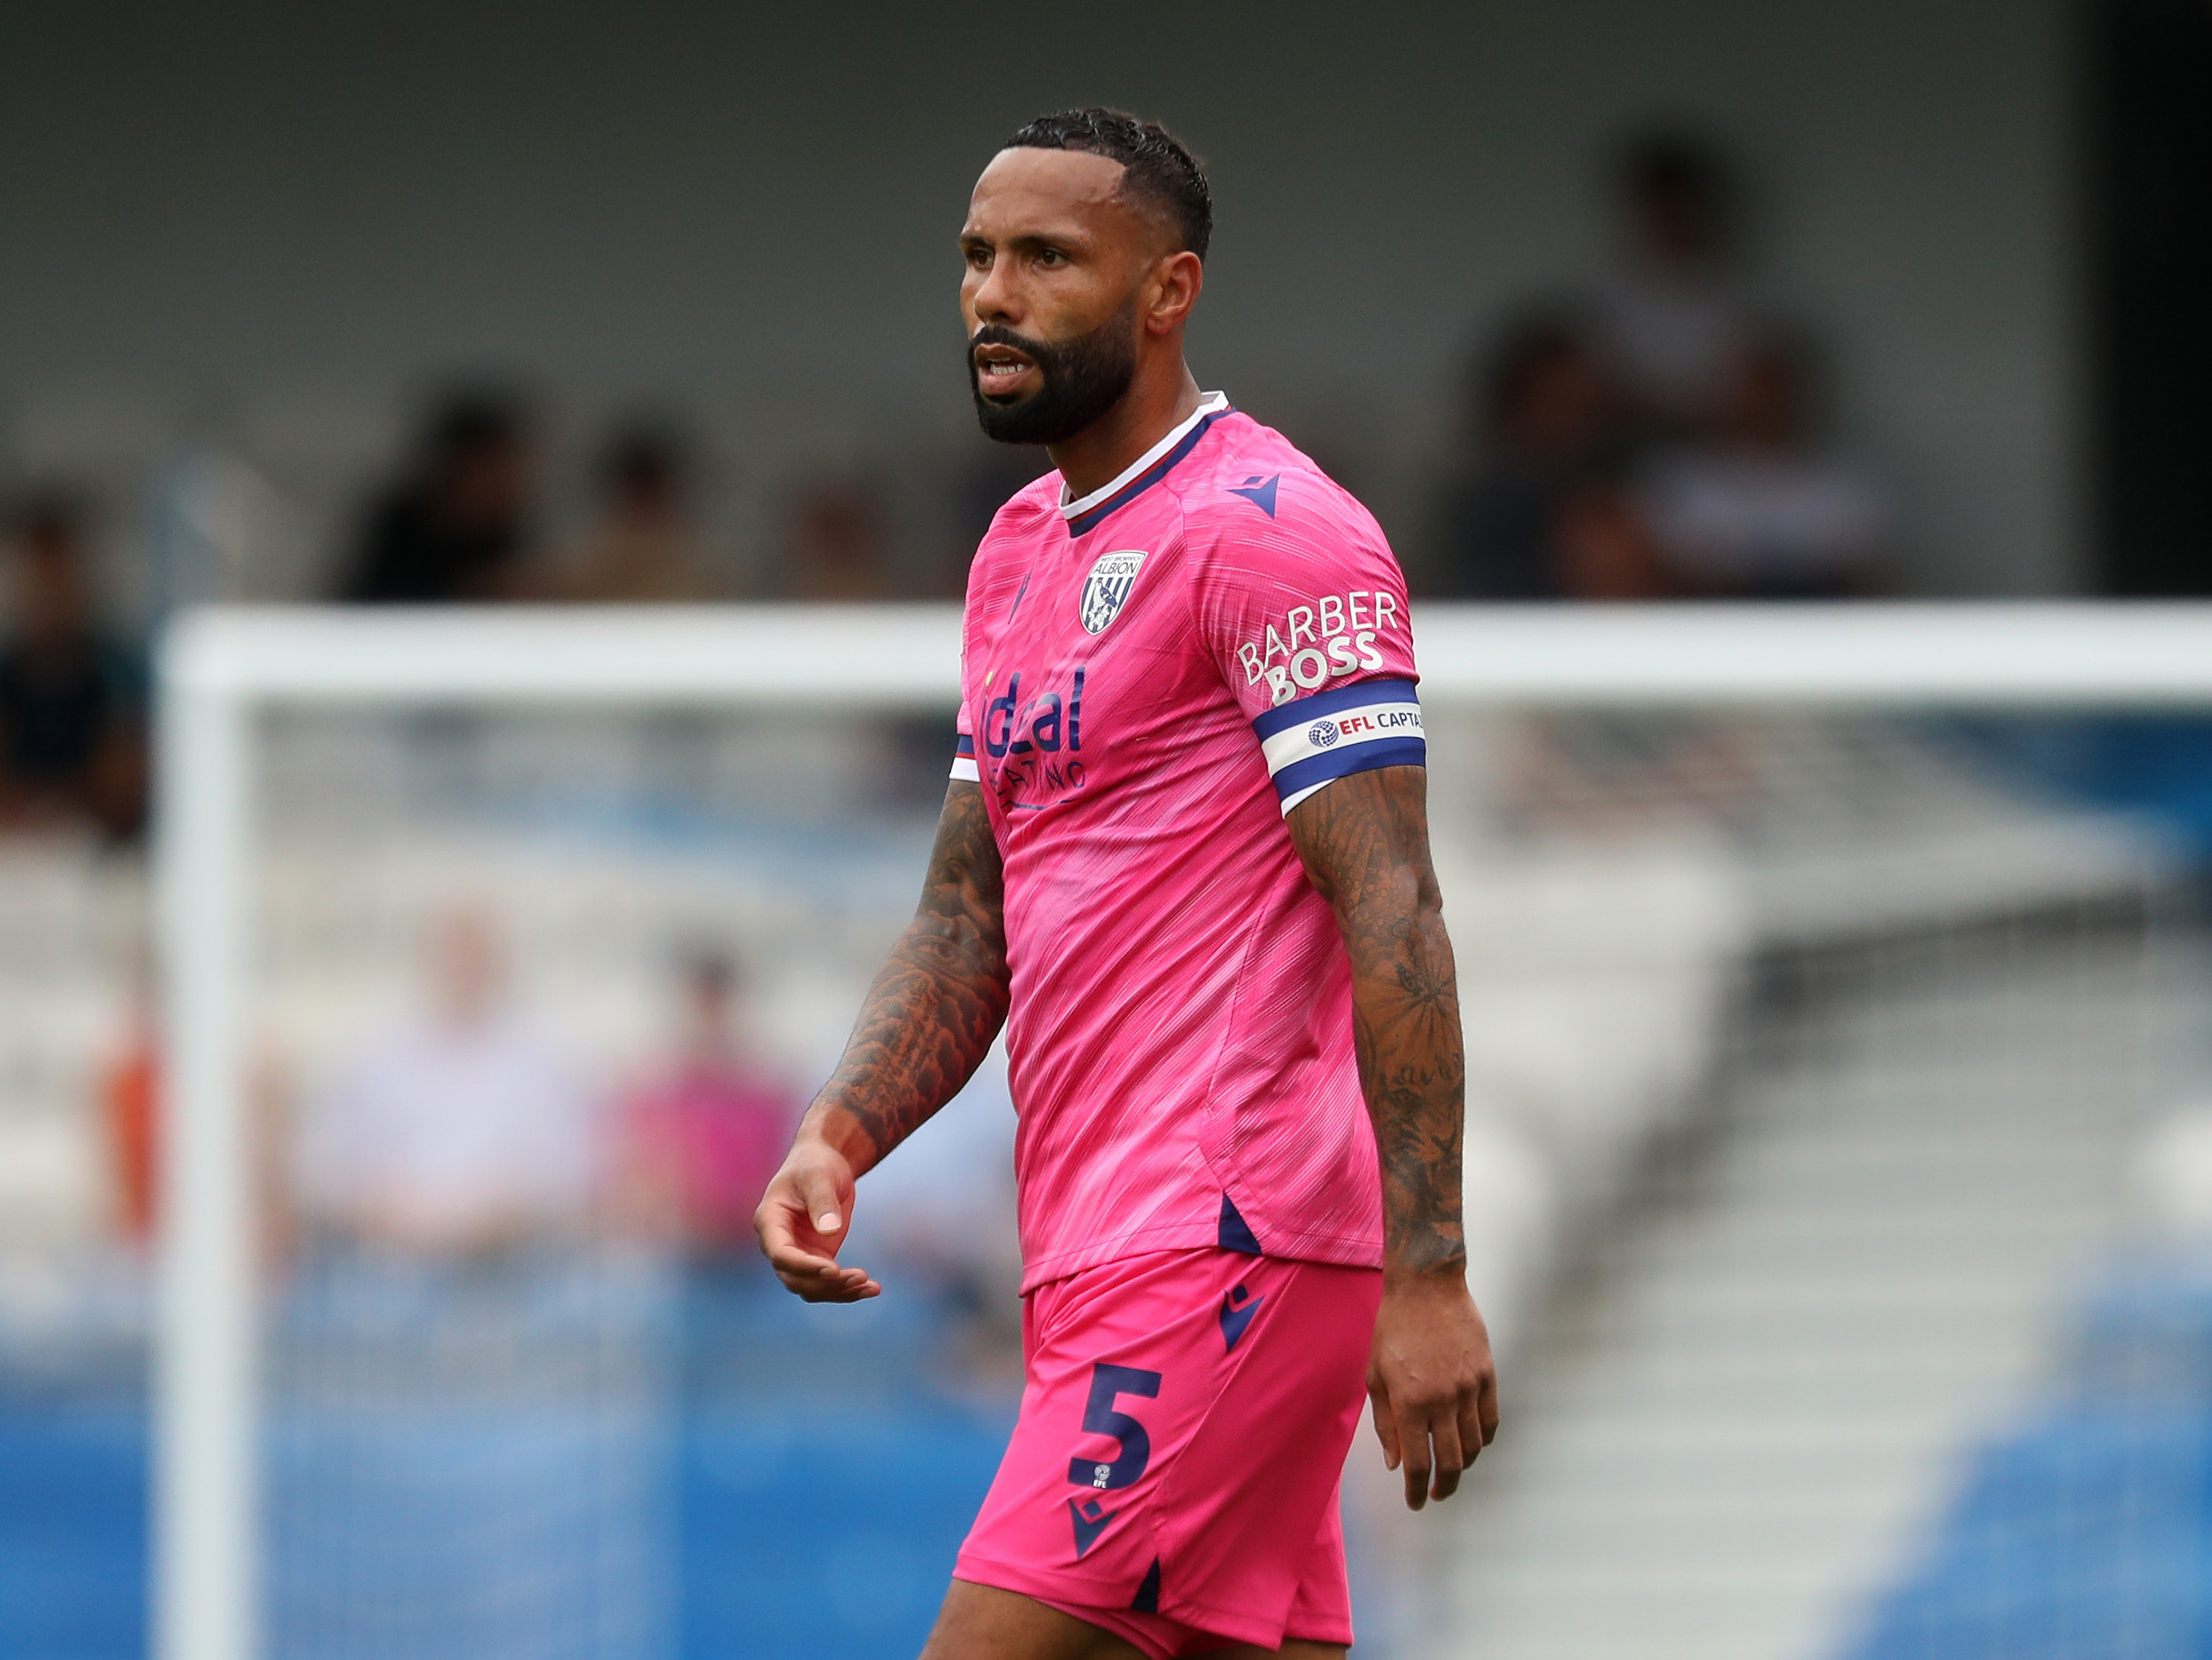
x: 222, y: 668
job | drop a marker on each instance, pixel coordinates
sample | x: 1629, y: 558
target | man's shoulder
x: 1258, y: 487
x: 1028, y: 516
x: 1030, y: 510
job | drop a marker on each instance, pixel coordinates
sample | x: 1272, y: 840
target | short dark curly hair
x: 1158, y: 170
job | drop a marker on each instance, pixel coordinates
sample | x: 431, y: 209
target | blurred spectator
x: 1549, y: 420
x: 1604, y: 546
x: 462, y: 1131
x: 456, y: 526
x: 1762, y: 510
x: 1675, y: 317
x: 72, y: 696
x: 643, y: 548
x: 128, y: 1086
x: 840, y: 548
x: 700, y: 1141
x: 129, y: 1091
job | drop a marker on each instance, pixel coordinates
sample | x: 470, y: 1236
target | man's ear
x: 1176, y: 280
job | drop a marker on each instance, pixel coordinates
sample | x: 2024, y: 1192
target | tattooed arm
x: 1364, y: 840
x: 929, y: 1019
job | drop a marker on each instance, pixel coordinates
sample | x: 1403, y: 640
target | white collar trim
x: 1212, y: 403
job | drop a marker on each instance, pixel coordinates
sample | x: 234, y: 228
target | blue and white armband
x: 1313, y: 741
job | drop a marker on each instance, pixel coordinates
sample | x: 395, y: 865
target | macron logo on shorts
x: 1091, y: 1518
x: 1237, y: 1308
x: 1312, y: 741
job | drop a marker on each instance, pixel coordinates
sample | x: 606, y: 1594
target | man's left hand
x: 1430, y: 1378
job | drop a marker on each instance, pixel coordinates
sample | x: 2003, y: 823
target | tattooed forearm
x: 1365, y: 843
x: 936, y: 1004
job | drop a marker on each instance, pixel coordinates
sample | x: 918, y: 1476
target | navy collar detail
x: 1092, y: 518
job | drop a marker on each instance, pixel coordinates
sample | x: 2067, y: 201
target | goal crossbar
x: 221, y: 668
x: 2016, y: 655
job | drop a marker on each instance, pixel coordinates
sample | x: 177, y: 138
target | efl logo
x: 1322, y: 734
x: 1374, y: 723
x: 1106, y: 590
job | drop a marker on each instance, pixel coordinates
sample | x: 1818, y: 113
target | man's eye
x: 1052, y: 257
x: 980, y: 258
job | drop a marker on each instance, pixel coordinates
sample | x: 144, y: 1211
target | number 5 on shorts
x: 1099, y: 1418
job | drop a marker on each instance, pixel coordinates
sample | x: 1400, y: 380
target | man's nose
x: 995, y: 300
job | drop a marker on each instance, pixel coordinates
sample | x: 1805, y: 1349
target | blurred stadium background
x: 1840, y: 1142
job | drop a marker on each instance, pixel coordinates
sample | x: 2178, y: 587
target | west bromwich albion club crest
x: 1106, y: 590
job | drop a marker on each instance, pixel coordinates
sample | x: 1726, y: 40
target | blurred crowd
x: 1661, y: 433
x: 463, y: 520
x: 1663, y: 429
x: 464, y: 1128
x: 1659, y: 429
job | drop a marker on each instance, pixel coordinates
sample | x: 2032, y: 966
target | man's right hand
x: 803, y: 1218
x: 937, y: 1002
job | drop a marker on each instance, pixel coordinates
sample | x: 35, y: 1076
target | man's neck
x: 1103, y: 451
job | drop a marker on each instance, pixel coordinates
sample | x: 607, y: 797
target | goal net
x: 1834, y: 994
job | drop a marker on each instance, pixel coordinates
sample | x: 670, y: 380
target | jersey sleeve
x: 963, y: 748
x: 1305, y: 616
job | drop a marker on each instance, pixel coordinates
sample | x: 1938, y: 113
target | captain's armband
x: 1331, y: 734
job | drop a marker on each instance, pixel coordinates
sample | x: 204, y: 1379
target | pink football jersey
x: 1152, y: 678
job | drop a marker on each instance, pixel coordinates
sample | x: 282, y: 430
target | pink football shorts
x: 1173, y: 1476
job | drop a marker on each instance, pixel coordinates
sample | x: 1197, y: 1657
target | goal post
x: 222, y: 670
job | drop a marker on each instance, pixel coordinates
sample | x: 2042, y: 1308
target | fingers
x: 1449, y: 1459
x: 1473, y: 1433
x: 858, y: 1288
x: 1413, y: 1445
x: 818, y: 1194
x: 1435, y: 1442
x: 812, y: 1274
x: 819, y: 1278
x: 803, y: 1219
x: 1484, y: 1414
x: 1434, y: 1388
x: 1386, y: 1422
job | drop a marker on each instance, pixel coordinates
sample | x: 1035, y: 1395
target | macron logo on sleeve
x: 1259, y: 492
x: 1313, y: 741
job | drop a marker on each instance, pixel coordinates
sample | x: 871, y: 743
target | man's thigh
x: 981, y: 1622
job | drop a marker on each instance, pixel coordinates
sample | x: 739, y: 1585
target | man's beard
x: 1083, y: 379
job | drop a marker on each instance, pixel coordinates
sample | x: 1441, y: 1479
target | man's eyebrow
x: 1031, y: 239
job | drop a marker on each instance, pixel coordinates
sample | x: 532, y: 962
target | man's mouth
x: 1001, y: 370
